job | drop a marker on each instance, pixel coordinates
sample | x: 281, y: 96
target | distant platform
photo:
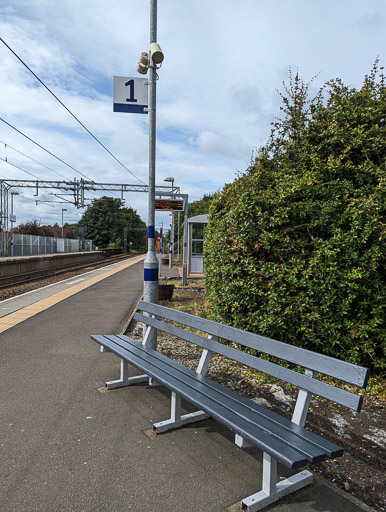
x: 54, y: 255
x: 13, y: 265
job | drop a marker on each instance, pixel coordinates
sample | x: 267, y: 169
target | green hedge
x: 295, y: 248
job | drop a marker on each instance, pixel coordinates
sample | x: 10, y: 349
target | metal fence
x: 29, y: 245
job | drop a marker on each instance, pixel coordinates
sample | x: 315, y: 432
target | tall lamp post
x: 12, y: 218
x: 151, y: 61
x: 63, y: 210
x: 170, y: 179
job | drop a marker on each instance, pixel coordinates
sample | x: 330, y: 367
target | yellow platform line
x: 21, y: 315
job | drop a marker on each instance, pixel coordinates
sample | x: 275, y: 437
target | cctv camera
x: 144, y: 59
x: 142, y: 69
x: 156, y: 53
x: 143, y: 63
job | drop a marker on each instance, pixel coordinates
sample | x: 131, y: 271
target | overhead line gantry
x: 76, y: 189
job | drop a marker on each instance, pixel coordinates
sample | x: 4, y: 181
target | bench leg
x: 272, y: 491
x: 176, y: 420
x: 175, y: 407
x: 241, y: 442
x: 124, y: 379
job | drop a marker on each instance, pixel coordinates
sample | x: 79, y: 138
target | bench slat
x: 249, y: 409
x: 331, y: 449
x: 157, y: 365
x: 331, y: 366
x: 154, y: 368
x: 315, y: 386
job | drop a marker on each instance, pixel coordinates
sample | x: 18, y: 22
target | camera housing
x: 156, y: 53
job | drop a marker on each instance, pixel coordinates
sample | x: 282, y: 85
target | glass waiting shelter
x: 196, y: 233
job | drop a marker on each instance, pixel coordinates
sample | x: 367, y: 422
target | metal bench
x: 282, y: 440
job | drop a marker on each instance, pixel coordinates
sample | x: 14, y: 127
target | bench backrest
x: 317, y: 363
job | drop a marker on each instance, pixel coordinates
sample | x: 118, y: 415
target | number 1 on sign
x: 131, y: 99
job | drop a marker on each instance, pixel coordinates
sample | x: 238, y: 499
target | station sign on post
x: 175, y: 205
x: 130, y: 95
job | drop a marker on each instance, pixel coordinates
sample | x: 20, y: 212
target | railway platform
x: 14, y: 265
x: 68, y: 445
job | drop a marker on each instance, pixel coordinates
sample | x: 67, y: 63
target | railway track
x: 37, y: 275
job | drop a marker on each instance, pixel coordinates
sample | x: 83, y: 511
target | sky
x: 217, y: 92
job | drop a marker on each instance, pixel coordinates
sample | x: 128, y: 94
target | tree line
x: 106, y: 222
x: 34, y: 227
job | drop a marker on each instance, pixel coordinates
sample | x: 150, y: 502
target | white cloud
x: 212, y: 143
x: 215, y: 95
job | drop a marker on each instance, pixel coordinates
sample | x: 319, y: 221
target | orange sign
x: 169, y: 204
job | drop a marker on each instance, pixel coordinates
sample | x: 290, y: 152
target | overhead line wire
x: 18, y: 151
x: 21, y: 169
x: 33, y: 175
x: 49, y: 152
x: 28, y: 197
x: 17, y: 167
x: 44, y: 149
x: 69, y: 111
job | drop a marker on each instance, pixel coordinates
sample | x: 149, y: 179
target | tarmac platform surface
x: 69, y: 445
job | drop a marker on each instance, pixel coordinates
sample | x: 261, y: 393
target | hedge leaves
x: 295, y: 247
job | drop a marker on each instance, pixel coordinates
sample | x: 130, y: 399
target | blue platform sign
x: 130, y: 95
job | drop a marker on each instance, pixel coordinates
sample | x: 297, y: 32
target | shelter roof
x: 198, y: 219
